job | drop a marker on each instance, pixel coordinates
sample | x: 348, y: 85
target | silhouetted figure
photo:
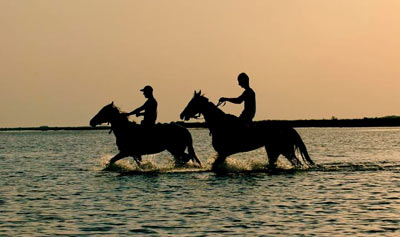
x: 248, y: 97
x: 149, y: 108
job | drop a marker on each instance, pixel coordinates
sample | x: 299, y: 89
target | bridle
x: 198, y: 115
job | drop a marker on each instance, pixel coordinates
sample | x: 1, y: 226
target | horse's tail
x: 299, y: 144
x: 191, y: 152
x: 193, y: 155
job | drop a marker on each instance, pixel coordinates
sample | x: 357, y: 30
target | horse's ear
x: 112, y: 103
x: 199, y: 92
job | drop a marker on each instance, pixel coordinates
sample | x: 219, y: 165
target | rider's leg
x: 246, y: 119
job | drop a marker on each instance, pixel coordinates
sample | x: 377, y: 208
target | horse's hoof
x: 138, y: 163
x: 198, y: 164
x: 108, y: 167
x: 217, y: 169
x: 179, y: 166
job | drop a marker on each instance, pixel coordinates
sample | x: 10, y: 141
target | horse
x: 231, y: 135
x: 136, y: 140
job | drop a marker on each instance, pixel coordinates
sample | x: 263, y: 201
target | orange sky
x: 61, y: 61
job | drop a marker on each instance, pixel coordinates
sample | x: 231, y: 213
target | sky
x: 62, y: 61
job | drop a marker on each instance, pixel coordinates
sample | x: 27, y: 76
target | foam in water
x: 121, y: 165
x: 151, y: 163
x: 239, y: 163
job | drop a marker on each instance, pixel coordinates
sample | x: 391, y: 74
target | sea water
x: 53, y: 183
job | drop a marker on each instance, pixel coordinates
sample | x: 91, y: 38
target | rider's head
x: 147, y: 91
x: 243, y: 80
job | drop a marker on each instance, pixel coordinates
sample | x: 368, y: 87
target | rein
x: 221, y: 103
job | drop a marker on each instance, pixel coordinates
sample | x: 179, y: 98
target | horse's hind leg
x: 293, y: 159
x: 272, y: 156
x: 180, y: 157
x: 196, y: 159
x: 184, y: 158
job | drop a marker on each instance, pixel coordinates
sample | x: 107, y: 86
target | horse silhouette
x: 136, y: 140
x: 230, y: 135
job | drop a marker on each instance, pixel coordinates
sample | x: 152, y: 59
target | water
x: 53, y: 183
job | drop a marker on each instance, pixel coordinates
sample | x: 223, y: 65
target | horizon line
x: 392, y: 120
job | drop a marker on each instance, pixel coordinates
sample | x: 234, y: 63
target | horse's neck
x: 213, y: 116
x: 119, y: 124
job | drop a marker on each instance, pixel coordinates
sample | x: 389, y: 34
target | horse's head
x: 194, y: 107
x: 105, y: 115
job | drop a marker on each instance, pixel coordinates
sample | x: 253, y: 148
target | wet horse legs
x: 272, y: 157
x: 116, y: 158
x: 293, y: 159
x: 137, y: 159
x: 218, y: 162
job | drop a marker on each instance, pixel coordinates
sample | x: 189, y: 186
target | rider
x: 149, y: 108
x: 248, y: 97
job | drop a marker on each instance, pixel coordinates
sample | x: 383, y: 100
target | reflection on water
x: 52, y: 183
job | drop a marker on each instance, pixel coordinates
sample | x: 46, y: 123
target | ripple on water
x: 53, y: 183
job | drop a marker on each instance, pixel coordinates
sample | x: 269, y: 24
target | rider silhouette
x: 248, y: 97
x: 149, y: 108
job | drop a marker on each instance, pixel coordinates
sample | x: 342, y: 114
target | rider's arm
x: 138, y: 110
x: 237, y: 100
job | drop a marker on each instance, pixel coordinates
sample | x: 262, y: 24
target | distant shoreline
x: 389, y: 121
x: 48, y: 128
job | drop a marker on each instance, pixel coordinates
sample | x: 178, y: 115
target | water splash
x: 236, y: 164
x: 122, y: 165
x: 150, y: 164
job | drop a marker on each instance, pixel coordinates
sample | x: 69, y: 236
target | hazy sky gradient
x: 61, y: 61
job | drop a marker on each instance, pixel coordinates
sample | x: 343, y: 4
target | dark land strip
x: 389, y: 121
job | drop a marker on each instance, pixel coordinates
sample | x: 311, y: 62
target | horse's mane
x: 223, y: 119
x: 119, y: 111
x: 213, y: 105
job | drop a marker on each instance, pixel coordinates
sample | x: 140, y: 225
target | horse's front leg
x: 272, y: 156
x: 138, y: 159
x: 116, y: 158
x: 218, y: 162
